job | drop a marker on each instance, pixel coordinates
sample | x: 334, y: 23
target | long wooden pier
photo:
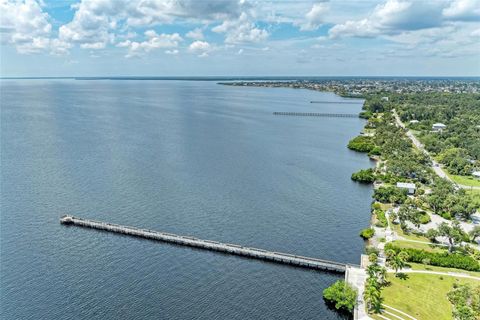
x: 254, y: 253
x: 336, y: 102
x: 317, y: 114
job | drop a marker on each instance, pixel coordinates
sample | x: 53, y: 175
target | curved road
x: 435, y: 165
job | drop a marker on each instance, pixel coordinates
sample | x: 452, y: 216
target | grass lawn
x: 475, y: 196
x: 422, y: 246
x: 423, y: 296
x: 465, y: 180
x: 411, y: 236
x: 419, y: 266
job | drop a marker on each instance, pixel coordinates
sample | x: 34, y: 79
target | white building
x: 384, y: 99
x: 476, y: 174
x: 438, y: 127
x: 414, y: 121
x: 406, y: 185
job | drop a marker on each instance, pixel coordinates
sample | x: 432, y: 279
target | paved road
x: 435, y: 165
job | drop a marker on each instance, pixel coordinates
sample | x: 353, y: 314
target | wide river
x: 187, y: 157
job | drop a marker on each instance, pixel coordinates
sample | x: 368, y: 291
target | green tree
x: 396, y: 261
x: 342, y: 295
x: 474, y: 233
x: 453, y: 233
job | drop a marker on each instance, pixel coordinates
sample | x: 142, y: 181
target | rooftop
x: 406, y: 185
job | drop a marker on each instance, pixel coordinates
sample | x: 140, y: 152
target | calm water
x: 185, y: 157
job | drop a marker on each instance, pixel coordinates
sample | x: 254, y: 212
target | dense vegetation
x: 342, y: 295
x: 459, y: 112
x: 390, y: 194
x: 361, y: 144
x: 447, y: 260
x: 465, y: 301
x: 367, y: 233
x: 364, y: 176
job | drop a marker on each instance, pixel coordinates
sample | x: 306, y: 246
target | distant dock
x: 337, y: 102
x: 253, y: 253
x: 317, y: 114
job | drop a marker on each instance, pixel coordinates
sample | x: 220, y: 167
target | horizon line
x: 224, y: 77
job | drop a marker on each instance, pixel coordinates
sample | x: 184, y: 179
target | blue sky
x: 239, y: 37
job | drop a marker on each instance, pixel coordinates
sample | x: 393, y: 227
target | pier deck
x: 254, y: 253
x: 317, y: 114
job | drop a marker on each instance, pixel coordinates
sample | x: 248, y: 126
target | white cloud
x: 315, y: 17
x: 201, y: 48
x: 172, y: 52
x: 25, y: 25
x: 463, y: 10
x: 241, y: 30
x: 393, y: 17
x: 195, y: 34
x: 153, y: 41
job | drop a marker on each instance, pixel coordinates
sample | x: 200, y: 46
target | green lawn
x: 475, y: 196
x: 465, y: 180
x: 423, y: 296
x: 411, y: 236
x: 419, y: 266
x: 421, y: 246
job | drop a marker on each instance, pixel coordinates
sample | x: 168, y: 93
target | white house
x: 476, y: 174
x: 384, y: 99
x: 406, y: 185
x: 438, y: 127
x: 414, y: 121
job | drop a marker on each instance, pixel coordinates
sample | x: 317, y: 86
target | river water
x: 187, y: 157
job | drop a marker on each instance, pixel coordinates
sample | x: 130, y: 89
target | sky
x: 239, y: 38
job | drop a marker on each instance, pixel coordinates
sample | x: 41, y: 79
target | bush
x: 371, y: 249
x: 382, y: 219
x: 364, y: 176
x: 446, y: 260
x: 446, y: 215
x: 424, y: 218
x: 367, y: 233
x: 342, y: 295
x: 361, y: 144
x: 376, y: 151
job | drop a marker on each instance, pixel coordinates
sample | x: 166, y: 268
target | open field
x: 423, y: 296
x: 465, y: 180
x: 418, y: 266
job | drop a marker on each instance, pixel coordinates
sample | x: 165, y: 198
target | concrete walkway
x: 451, y: 274
x: 356, y: 277
x: 398, y: 311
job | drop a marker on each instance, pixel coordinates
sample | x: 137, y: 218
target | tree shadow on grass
x: 402, y: 276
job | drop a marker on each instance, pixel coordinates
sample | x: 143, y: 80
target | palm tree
x: 397, y: 261
x: 373, y: 297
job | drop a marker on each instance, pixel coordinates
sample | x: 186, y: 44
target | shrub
x: 342, y: 295
x: 376, y: 151
x: 447, y: 260
x: 367, y: 233
x: 364, y: 176
x: 424, y: 218
x: 446, y: 215
x: 361, y: 144
x: 371, y: 249
x: 382, y: 219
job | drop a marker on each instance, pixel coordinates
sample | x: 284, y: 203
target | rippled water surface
x: 193, y: 158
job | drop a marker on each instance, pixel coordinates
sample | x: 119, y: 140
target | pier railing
x: 254, y: 253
